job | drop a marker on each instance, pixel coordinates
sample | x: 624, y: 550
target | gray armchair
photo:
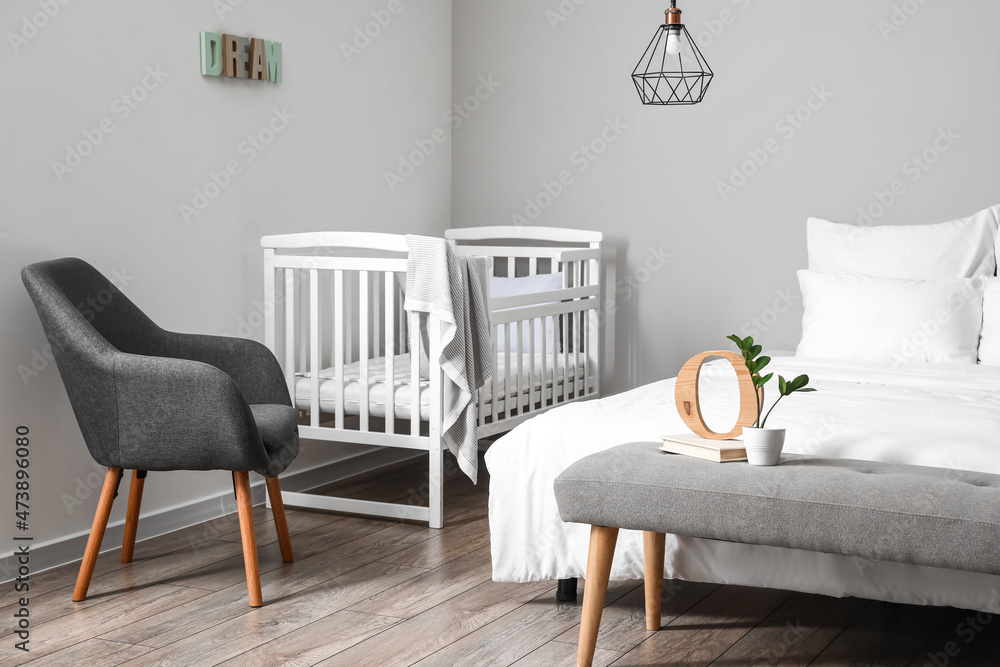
x: 149, y: 399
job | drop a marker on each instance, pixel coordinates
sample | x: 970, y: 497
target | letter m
x: 273, y: 51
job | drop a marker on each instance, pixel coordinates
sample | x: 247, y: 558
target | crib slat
x: 290, y: 331
x: 495, y: 402
x: 511, y: 267
x: 545, y: 363
x: 481, y: 393
x: 482, y: 405
x: 338, y: 343
x: 377, y: 315
x: 401, y: 316
x: 565, y: 356
x: 585, y: 332
x: 520, y: 369
x: 564, y: 325
x: 531, y: 365
x: 555, y: 358
x: 390, y: 360
x: 414, y: 373
x: 594, y: 277
x: 349, y: 318
x: 577, y: 334
x: 363, y: 346
x: 506, y: 371
x: 303, y: 343
x: 533, y: 266
x: 314, y: 358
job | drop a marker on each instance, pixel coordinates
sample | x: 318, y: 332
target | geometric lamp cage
x: 672, y: 70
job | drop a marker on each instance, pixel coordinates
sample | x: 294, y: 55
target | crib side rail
x: 336, y: 240
x: 524, y: 233
x: 328, y: 315
x: 547, y: 342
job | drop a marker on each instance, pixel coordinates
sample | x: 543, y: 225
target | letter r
x: 232, y: 61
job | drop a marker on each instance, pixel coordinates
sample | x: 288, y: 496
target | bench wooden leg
x: 595, y: 589
x: 652, y: 555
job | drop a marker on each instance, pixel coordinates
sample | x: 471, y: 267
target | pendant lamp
x: 672, y: 70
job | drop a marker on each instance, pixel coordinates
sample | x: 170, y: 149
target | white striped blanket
x: 453, y: 288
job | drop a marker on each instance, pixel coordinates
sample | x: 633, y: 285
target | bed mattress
x: 946, y: 416
x: 401, y: 371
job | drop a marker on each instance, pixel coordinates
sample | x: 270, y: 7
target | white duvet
x: 939, y: 415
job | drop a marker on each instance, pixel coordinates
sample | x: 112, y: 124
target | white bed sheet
x: 401, y: 371
x: 937, y: 415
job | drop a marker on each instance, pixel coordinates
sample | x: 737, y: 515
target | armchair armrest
x: 251, y: 365
x: 177, y: 414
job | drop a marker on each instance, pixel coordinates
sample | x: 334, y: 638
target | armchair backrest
x: 87, y: 320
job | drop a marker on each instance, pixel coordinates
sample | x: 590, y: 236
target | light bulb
x: 674, y: 43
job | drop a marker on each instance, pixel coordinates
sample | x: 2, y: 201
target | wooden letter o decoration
x: 686, y: 395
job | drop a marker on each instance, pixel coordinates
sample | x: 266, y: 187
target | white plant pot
x: 763, y: 445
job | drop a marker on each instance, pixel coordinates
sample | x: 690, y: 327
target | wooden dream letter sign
x: 240, y: 57
x: 686, y: 395
x: 258, y: 60
x: 232, y: 57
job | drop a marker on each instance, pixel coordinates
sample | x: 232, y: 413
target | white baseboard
x: 47, y: 555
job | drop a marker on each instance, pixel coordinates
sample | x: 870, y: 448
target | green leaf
x: 755, y: 350
x: 782, y: 386
x: 806, y: 390
x: 799, y: 382
x: 765, y: 379
x: 736, y: 339
x: 760, y: 364
x: 748, y: 342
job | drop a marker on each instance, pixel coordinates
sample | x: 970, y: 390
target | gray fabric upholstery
x: 150, y: 399
x: 879, y: 511
x: 274, y: 423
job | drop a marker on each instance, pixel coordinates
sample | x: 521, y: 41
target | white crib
x: 336, y: 323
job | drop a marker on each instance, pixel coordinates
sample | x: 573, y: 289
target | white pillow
x: 989, y: 342
x: 959, y: 249
x: 543, y: 282
x: 862, y: 318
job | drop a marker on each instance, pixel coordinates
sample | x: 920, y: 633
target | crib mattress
x: 401, y: 372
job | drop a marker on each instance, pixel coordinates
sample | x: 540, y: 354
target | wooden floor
x: 368, y: 592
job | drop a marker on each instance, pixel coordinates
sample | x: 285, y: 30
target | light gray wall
x: 119, y: 208
x: 656, y: 186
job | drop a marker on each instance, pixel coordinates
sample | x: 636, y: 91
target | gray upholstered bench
x: 878, y: 511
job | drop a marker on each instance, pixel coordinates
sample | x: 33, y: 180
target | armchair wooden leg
x: 595, y: 589
x: 280, y: 524
x: 241, y: 482
x: 132, y: 516
x: 96, y: 534
x: 653, y: 545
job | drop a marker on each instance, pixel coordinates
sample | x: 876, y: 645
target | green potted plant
x: 764, y: 444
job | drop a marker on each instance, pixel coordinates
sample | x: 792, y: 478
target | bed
x: 335, y: 320
x: 944, y: 417
x: 909, y: 386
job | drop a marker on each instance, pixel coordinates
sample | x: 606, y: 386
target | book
x: 720, y: 451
